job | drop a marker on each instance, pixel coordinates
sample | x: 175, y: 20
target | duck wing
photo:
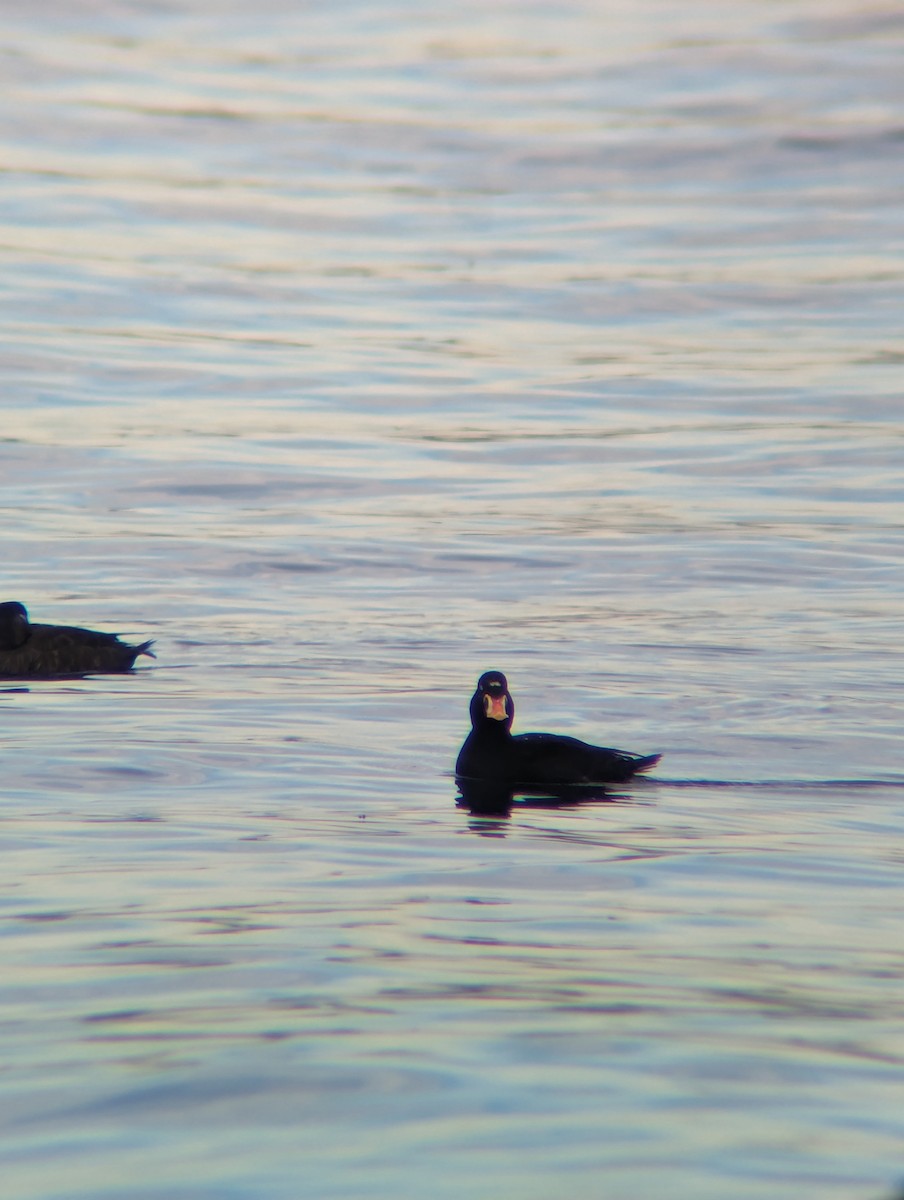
x: 552, y: 758
x: 54, y: 650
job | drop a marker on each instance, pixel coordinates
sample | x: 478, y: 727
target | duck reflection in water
x: 483, y: 798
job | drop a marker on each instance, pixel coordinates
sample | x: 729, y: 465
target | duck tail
x: 645, y: 763
x: 145, y: 648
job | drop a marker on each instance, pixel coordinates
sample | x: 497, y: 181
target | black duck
x: 30, y: 651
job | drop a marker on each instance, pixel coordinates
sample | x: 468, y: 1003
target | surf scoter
x: 45, y: 651
x: 492, y: 753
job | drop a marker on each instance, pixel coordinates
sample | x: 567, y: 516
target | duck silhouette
x: 45, y: 651
x: 491, y: 752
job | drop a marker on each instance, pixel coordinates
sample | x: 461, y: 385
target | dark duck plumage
x: 492, y: 754
x: 45, y: 651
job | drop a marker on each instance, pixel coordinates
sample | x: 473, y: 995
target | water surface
x: 349, y: 353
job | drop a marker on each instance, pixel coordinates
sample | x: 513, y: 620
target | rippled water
x: 349, y: 351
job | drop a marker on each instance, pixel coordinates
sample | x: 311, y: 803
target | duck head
x: 492, y: 702
x: 14, y: 630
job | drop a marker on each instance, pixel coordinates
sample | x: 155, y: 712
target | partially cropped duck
x: 45, y: 651
x: 492, y: 754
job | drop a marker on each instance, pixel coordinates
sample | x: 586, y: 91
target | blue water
x: 349, y: 352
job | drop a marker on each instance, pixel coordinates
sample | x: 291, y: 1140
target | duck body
x: 491, y: 752
x: 35, y: 651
